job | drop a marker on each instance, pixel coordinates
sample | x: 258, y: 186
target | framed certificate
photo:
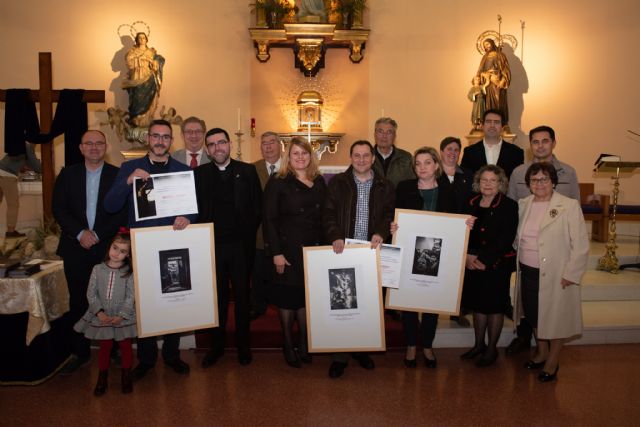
x: 434, y: 252
x: 344, y: 299
x: 175, y: 280
x: 165, y: 194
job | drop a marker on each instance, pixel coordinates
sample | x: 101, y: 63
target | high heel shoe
x: 291, y: 357
x: 545, y: 377
x: 531, y: 365
x: 473, y: 353
x: 430, y: 363
x: 487, y: 359
x: 303, y: 354
x: 410, y: 363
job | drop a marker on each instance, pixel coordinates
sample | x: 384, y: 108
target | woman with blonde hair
x: 293, y: 201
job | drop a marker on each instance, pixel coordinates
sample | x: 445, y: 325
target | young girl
x: 111, y: 314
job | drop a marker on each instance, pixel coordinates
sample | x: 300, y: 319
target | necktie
x: 194, y: 160
x: 272, y: 169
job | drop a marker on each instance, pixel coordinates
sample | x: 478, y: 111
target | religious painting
x: 344, y: 299
x: 174, y: 278
x: 433, y: 261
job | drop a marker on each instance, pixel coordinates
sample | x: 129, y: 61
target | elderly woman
x: 429, y: 192
x: 490, y: 260
x: 293, y: 200
x: 553, y: 250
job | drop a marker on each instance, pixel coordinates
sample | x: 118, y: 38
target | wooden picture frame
x: 433, y: 261
x: 344, y: 299
x: 174, y: 278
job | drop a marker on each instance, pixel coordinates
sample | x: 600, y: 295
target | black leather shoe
x: 545, y: 377
x: 336, y: 369
x: 210, y: 358
x: 178, y: 366
x: 364, y: 360
x: 518, y: 345
x: 534, y: 365
x: 291, y: 357
x: 245, y: 357
x: 74, y: 364
x: 410, y: 363
x: 487, y: 359
x: 473, y: 353
x: 431, y: 363
x: 101, y: 386
x: 140, y: 371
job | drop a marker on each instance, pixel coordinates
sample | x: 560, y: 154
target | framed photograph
x: 344, y: 299
x: 175, y: 279
x: 165, y: 194
x: 434, y: 251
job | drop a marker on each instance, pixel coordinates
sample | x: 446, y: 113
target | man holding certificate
x: 359, y: 205
x: 157, y: 161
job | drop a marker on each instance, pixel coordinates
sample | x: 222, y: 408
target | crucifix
x: 46, y: 96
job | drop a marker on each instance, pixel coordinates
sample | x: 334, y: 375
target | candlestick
x: 239, y: 128
x: 239, y: 139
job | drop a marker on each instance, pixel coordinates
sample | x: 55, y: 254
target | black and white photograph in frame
x: 342, y: 288
x: 343, y: 294
x: 145, y: 201
x: 433, y: 261
x: 426, y: 256
x: 174, y: 279
x: 174, y: 270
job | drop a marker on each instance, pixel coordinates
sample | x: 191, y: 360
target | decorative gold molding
x: 309, y: 42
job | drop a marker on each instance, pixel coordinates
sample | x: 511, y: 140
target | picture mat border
x: 136, y: 235
x: 153, y: 179
x: 307, y: 253
x: 406, y: 253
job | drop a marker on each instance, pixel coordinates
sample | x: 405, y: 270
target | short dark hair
x: 160, y: 122
x: 544, y: 167
x: 361, y: 142
x: 493, y: 111
x: 193, y: 119
x: 217, y: 130
x: 543, y: 128
x: 450, y: 140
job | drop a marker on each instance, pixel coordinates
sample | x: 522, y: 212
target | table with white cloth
x: 33, y: 340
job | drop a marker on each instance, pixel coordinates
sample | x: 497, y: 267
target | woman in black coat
x: 490, y: 260
x: 293, y: 201
x: 429, y: 192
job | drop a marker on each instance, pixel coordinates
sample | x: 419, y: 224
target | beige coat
x: 563, y: 251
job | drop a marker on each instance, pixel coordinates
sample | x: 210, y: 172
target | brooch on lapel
x: 553, y: 213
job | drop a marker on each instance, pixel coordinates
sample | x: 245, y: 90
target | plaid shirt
x: 361, y: 230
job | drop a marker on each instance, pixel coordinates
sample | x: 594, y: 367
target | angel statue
x: 144, y: 81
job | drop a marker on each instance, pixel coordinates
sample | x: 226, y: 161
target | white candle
x: 309, y: 127
x: 238, y: 119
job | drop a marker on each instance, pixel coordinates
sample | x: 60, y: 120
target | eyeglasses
x: 218, y: 143
x: 193, y: 132
x: 536, y: 181
x: 385, y: 132
x: 156, y: 136
x: 488, y: 180
x: 94, y: 144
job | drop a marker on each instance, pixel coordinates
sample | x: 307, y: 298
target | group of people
x: 265, y: 213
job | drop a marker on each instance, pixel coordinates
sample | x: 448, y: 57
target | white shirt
x: 276, y: 164
x: 492, y: 152
x: 198, y: 155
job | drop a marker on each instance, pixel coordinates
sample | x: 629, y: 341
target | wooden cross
x: 46, y: 96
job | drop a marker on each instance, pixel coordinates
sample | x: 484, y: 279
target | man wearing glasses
x: 230, y: 196
x: 86, y: 230
x: 193, y: 155
x: 542, y: 140
x: 391, y: 162
x: 157, y: 160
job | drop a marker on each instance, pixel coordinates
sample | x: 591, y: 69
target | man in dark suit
x: 269, y: 164
x: 492, y: 149
x: 86, y: 229
x: 229, y: 195
x: 193, y: 154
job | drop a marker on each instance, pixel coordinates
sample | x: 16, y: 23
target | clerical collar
x: 224, y: 166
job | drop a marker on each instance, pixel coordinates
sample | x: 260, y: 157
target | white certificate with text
x: 390, y: 263
x: 165, y: 194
